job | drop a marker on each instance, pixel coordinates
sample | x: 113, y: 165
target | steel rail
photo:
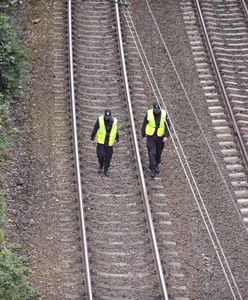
x: 245, y: 7
x: 76, y: 156
x: 186, y: 168
x: 221, y: 83
x: 138, y: 159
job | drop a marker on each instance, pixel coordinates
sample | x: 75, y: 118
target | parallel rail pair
x: 138, y: 160
x: 224, y: 91
x: 137, y: 155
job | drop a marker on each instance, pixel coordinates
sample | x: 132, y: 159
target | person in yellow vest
x: 155, y: 132
x: 106, y: 133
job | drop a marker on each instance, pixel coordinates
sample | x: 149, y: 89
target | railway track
x: 226, y: 31
x: 113, y: 227
x: 235, y: 290
x: 228, y: 52
x: 72, y: 268
x: 120, y: 236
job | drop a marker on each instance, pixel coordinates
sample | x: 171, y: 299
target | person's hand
x: 92, y: 141
x: 165, y: 139
x: 144, y: 139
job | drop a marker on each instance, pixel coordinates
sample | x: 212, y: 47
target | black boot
x: 100, y: 170
x: 153, y: 174
x: 157, y: 170
x: 106, y: 172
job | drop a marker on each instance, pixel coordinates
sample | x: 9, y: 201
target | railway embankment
x: 30, y: 205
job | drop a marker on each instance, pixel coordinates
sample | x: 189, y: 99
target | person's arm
x: 96, y: 127
x: 117, y: 136
x: 143, y: 129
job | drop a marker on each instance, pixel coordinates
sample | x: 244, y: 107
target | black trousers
x: 155, y: 146
x: 104, y: 154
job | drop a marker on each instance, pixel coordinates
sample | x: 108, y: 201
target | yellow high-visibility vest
x: 151, y: 125
x: 101, y: 132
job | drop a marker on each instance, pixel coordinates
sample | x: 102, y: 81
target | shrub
x: 13, y: 272
x: 12, y: 59
x: 12, y: 69
x: 13, y: 275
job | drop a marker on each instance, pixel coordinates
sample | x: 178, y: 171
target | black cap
x: 107, y: 114
x: 156, y: 105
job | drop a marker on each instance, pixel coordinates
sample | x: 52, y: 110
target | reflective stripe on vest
x: 151, y: 125
x: 101, y: 132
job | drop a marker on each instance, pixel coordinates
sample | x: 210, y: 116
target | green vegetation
x: 13, y: 272
x: 2, y: 217
x: 12, y: 62
x: 12, y: 57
